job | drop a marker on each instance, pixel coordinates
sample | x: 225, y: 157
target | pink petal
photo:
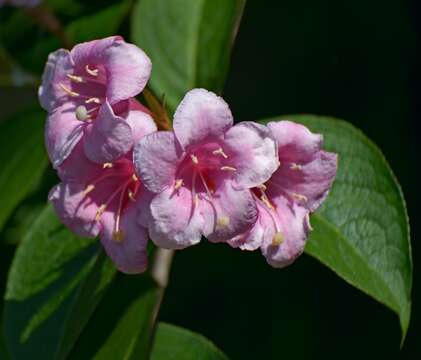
x: 140, y: 122
x: 74, y: 209
x: 176, y: 222
x: 296, y: 143
x: 62, y: 133
x: 255, y: 153
x: 128, y: 67
x: 108, y: 137
x: 130, y: 253
x: 201, y: 115
x: 231, y: 212
x: 156, y: 157
x: 59, y: 64
x: 294, y: 227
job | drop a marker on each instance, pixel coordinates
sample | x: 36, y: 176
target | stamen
x: 228, y: 168
x: 100, y: 211
x: 118, y: 236
x: 299, y: 197
x: 178, y: 184
x: 107, y: 165
x: 131, y: 195
x: 88, y: 189
x: 262, y: 187
x: 134, y: 177
x: 75, y: 78
x: 92, y: 72
x: 278, y: 239
x: 68, y: 91
x: 295, y: 166
x: 194, y: 159
x: 220, y: 151
x: 266, y: 201
x: 196, y: 200
x: 208, y: 191
x: 93, y: 100
x: 223, y: 221
x: 82, y: 113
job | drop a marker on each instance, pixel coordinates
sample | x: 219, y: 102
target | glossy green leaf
x: 23, y: 158
x: 121, y: 326
x: 361, y: 232
x: 55, y: 282
x: 173, y: 342
x: 189, y: 42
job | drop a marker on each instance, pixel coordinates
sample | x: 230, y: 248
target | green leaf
x: 121, y: 325
x: 189, y: 42
x: 23, y: 158
x: 362, y: 232
x: 173, y: 342
x: 54, y: 284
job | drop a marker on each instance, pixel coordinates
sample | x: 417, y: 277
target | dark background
x: 356, y: 60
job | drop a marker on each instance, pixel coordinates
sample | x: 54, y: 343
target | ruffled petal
x: 255, y: 153
x: 128, y: 248
x: 74, y: 209
x: 140, y: 122
x: 62, y: 133
x: 228, y: 213
x: 176, y: 221
x: 156, y: 157
x: 292, y: 233
x: 108, y: 137
x: 59, y: 64
x: 296, y: 143
x: 201, y: 115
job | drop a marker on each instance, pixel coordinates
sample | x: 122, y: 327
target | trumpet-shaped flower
x: 87, y: 93
x: 297, y: 188
x: 201, y: 172
x: 106, y: 200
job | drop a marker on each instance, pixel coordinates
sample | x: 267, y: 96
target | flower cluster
x: 249, y: 185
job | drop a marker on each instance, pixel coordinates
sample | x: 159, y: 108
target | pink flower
x: 202, y: 172
x: 87, y: 93
x: 106, y: 200
x: 298, y: 187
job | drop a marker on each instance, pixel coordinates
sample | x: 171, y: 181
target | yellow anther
x: 299, y: 197
x: 118, y: 236
x: 92, y: 72
x: 295, y: 166
x: 223, y: 221
x: 278, y: 239
x: 220, y: 151
x: 75, y: 78
x: 131, y: 195
x: 266, y: 201
x: 88, y: 189
x: 194, y: 159
x: 100, y: 211
x: 68, y: 91
x: 178, y: 184
x: 228, y: 168
x: 107, y: 165
x: 93, y: 100
x: 134, y: 177
x: 82, y: 113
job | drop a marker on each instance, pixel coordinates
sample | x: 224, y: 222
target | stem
x: 161, y: 266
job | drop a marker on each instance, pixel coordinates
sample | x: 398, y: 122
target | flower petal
x: 140, y: 122
x: 255, y: 153
x: 128, y: 253
x: 176, y: 221
x: 74, y: 209
x: 200, y: 115
x: 294, y: 226
x: 156, y: 157
x: 59, y: 64
x: 295, y: 142
x: 62, y: 133
x: 229, y: 213
x: 108, y: 137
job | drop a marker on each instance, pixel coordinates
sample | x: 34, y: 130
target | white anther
x: 299, y: 197
x: 68, y: 91
x: 220, y: 151
x: 118, y: 236
x: 82, y: 113
x: 100, y: 211
x: 262, y: 187
x: 88, y: 189
x: 223, y: 221
x: 75, y: 78
x: 278, y: 239
x: 178, y: 184
x: 228, y: 168
x: 92, y: 72
x: 134, y: 177
x: 194, y: 159
x: 295, y: 166
x: 107, y: 165
x: 93, y: 100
